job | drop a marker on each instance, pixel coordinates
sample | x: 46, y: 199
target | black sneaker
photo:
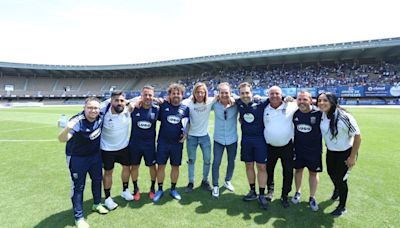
x: 263, y: 202
x: 335, y: 195
x: 189, y: 188
x: 206, y: 185
x: 285, y: 201
x: 252, y: 195
x: 339, y: 211
x: 270, y: 195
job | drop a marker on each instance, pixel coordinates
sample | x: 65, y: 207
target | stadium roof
x: 370, y: 49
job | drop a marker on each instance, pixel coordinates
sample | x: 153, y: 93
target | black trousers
x: 285, y: 153
x: 336, y: 170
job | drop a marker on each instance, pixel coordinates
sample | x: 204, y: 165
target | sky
x: 97, y: 32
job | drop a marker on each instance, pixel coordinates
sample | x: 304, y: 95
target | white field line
x: 23, y: 129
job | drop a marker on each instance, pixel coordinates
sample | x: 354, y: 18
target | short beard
x: 118, y: 109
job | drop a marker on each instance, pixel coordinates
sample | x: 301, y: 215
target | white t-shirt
x: 278, y: 124
x: 115, y: 132
x: 199, y: 114
x: 347, y: 129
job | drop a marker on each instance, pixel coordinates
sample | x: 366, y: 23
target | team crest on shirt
x: 167, y: 109
x: 296, y: 119
x: 137, y: 114
x: 180, y: 111
x: 75, y: 175
x: 254, y: 106
x: 152, y: 116
x: 313, y: 119
x: 248, y: 117
x: 173, y: 119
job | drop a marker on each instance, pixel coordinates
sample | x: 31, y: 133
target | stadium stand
x: 368, y: 64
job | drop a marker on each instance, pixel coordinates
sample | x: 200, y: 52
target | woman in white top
x: 342, y: 138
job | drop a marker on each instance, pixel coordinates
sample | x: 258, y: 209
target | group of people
x: 271, y: 129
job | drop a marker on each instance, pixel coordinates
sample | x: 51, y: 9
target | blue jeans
x: 205, y: 145
x: 218, y: 152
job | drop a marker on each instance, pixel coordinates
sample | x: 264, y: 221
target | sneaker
x: 252, y: 195
x: 270, y: 195
x: 215, y: 192
x: 339, y: 211
x: 313, y: 204
x: 206, y: 185
x: 127, y: 195
x: 136, y: 196
x: 263, y: 202
x: 110, y: 204
x: 285, y: 202
x: 175, y: 194
x: 335, y: 195
x: 99, y: 208
x: 151, y: 194
x: 81, y: 223
x: 158, y: 196
x: 228, y: 185
x: 189, y: 188
x: 296, y: 198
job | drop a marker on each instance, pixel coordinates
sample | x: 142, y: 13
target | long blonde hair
x: 195, y: 88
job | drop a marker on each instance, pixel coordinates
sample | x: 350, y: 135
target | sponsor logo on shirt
x: 304, y: 128
x: 173, y: 119
x: 248, y: 117
x: 144, y: 124
x: 95, y: 134
x: 200, y: 109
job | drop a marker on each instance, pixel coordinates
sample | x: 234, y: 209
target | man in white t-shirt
x: 200, y: 106
x: 278, y: 133
x: 114, y: 145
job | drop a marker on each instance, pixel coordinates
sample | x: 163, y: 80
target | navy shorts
x: 146, y: 150
x: 313, y: 162
x: 253, y: 150
x: 173, y: 151
x: 110, y: 157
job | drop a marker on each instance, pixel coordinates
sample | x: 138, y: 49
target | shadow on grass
x: 299, y: 215
x: 65, y: 218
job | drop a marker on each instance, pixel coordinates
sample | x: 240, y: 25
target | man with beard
x: 307, y: 146
x: 174, y: 117
x: 142, y: 140
x: 114, y: 145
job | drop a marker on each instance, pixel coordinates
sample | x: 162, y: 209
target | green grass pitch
x: 35, y: 185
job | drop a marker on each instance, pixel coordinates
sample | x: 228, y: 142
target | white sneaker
x: 215, y: 192
x: 296, y: 198
x: 81, y: 223
x: 127, y: 195
x: 228, y: 185
x: 110, y: 204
